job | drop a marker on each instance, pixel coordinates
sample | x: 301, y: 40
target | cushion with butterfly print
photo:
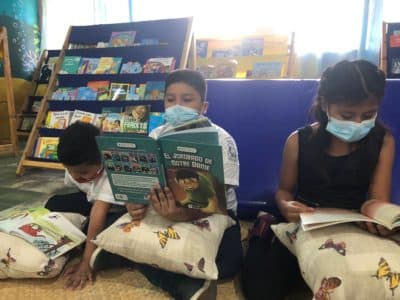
x: 344, y: 261
x: 189, y: 248
x: 20, y: 259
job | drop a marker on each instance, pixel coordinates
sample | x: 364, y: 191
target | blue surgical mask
x: 178, y: 114
x: 349, y: 131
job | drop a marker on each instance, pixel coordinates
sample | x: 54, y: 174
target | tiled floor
x: 35, y: 185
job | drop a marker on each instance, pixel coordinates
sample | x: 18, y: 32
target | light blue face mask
x: 178, y: 114
x: 349, y: 131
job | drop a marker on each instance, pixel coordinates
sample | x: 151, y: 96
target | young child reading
x: 78, y: 152
x: 341, y: 161
x: 185, y: 100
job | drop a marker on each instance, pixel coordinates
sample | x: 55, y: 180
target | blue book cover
x: 86, y: 93
x: 154, y: 90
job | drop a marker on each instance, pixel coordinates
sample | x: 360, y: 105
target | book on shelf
x: 118, y: 91
x: 382, y: 213
x: 108, y: 65
x: 141, y: 91
x: 50, y: 232
x: 252, y: 46
x: 156, y: 119
x: 65, y: 93
x: 112, y: 119
x: 122, y: 38
x: 154, y: 90
x: 26, y: 123
x: 46, y: 147
x: 82, y: 116
x: 159, y: 65
x: 131, y: 67
x: 91, y: 65
x: 86, y: 93
x: 70, y: 65
x: 36, y: 106
x: 136, y: 119
x: 188, y: 162
x: 132, y: 93
x: 58, y: 119
x: 101, y: 87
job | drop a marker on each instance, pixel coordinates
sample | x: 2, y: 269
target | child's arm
x: 164, y: 204
x: 78, y: 275
x: 380, y: 186
x: 287, y: 205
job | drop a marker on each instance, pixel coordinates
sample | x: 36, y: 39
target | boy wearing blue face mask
x: 341, y: 161
x: 185, y: 101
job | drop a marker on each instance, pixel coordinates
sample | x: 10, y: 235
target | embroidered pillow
x: 183, y: 247
x: 344, y: 261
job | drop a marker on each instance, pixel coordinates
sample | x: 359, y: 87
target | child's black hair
x: 78, y: 145
x: 190, y: 77
x: 348, y: 82
x: 185, y: 174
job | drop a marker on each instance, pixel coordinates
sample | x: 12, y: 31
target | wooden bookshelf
x: 9, y: 145
x: 175, y: 40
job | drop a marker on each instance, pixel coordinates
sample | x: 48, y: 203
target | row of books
x: 131, y: 119
x: 104, y: 90
x: 245, y: 47
x: 113, y: 65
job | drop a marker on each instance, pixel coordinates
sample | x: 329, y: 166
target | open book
x: 385, y: 214
x: 186, y: 159
x: 50, y: 232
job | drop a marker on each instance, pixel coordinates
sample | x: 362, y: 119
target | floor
x: 36, y: 185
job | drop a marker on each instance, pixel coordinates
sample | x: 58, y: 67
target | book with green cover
x: 189, y: 162
x: 70, y: 65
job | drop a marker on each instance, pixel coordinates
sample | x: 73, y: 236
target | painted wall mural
x: 21, y: 19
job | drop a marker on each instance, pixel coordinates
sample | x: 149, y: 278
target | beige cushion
x: 344, y: 261
x: 20, y: 259
x: 183, y: 247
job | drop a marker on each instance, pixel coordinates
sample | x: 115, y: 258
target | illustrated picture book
x: 46, y: 147
x: 50, y: 232
x: 122, y: 38
x: 189, y: 162
x: 385, y: 214
x: 136, y: 119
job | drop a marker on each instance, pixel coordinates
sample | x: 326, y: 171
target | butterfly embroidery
x: 327, y: 285
x: 339, y: 247
x: 163, y: 236
x: 200, y: 265
x: 203, y: 224
x: 384, y: 272
x: 292, y: 235
x: 128, y: 226
x: 7, y: 261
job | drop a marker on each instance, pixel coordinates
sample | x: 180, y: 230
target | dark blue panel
x: 261, y: 114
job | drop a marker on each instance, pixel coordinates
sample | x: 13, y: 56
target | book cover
x: 46, y: 148
x: 192, y: 170
x: 65, y: 93
x: 395, y: 66
x: 111, y: 119
x: 132, y: 93
x: 58, y: 119
x: 91, y: 65
x: 36, y: 106
x: 27, y: 123
x: 50, y: 232
x: 82, y: 116
x: 201, y: 48
x: 141, y: 91
x: 154, y: 90
x: 86, y: 93
x: 394, y: 41
x: 108, y: 65
x: 252, y: 46
x: 156, y: 119
x: 83, y: 65
x: 131, y: 68
x: 118, y: 91
x: 159, y: 65
x: 70, y: 65
x: 385, y: 214
x: 122, y: 38
x: 101, y: 87
x: 136, y: 119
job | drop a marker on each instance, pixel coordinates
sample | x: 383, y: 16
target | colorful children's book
x: 108, y: 65
x: 141, y: 91
x: 118, y: 91
x: 132, y: 93
x: 58, y: 119
x: 136, y: 119
x: 46, y: 147
x: 122, y: 38
x: 101, y: 87
x: 112, y: 119
x: 188, y: 162
x: 86, y: 93
x: 82, y: 116
x: 91, y: 65
x: 156, y: 119
x: 159, y: 65
x: 70, y: 65
x: 382, y: 213
x: 50, y: 232
x: 131, y: 68
x: 65, y: 93
x: 253, y: 46
x: 154, y: 90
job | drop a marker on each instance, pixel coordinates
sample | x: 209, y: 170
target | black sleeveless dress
x: 337, y: 181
